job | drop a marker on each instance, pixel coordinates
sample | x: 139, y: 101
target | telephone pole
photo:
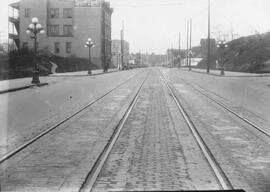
x: 208, y: 53
x: 179, y: 53
x: 122, y: 46
x: 172, y: 55
x: 187, y: 42
x: 190, y: 48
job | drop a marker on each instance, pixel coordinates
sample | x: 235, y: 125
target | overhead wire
x: 149, y: 3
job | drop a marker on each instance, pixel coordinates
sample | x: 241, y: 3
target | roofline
x: 15, y: 5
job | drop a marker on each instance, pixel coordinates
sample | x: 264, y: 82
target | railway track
x: 257, y: 127
x: 206, y: 94
x: 220, y: 176
x: 93, y: 174
x: 42, y: 134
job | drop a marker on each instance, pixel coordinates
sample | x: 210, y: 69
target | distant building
x: 116, y: 53
x: 67, y: 23
x: 197, y: 52
x: 204, y: 48
x: 173, y: 57
x: 145, y: 59
x: 137, y: 59
x: 157, y: 59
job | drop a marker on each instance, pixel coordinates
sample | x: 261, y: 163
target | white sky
x: 153, y: 25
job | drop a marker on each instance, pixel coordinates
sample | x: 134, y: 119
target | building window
x: 56, y: 47
x: 53, y: 30
x: 54, y: 13
x: 67, y: 30
x: 67, y: 13
x: 68, y: 47
x: 27, y: 12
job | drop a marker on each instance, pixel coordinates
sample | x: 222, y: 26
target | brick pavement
x: 26, y: 114
x: 24, y: 83
x: 61, y: 160
x: 227, y: 73
x: 243, y: 155
x: 155, y: 150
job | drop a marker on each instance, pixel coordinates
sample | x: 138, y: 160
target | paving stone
x: 68, y: 152
x: 149, y: 152
x: 243, y: 155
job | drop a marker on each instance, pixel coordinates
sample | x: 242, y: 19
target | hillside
x: 247, y: 54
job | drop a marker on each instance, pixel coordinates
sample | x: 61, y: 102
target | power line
x: 156, y: 3
x: 149, y: 5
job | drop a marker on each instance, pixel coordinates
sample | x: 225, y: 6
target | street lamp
x: 89, y: 43
x: 35, y: 28
x: 222, y: 46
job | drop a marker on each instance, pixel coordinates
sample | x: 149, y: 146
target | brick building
x: 68, y: 24
x: 116, y: 53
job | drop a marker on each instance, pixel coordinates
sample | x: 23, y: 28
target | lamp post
x: 89, y: 43
x: 35, y: 28
x: 222, y: 46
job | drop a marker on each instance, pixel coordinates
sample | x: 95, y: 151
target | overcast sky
x: 154, y: 25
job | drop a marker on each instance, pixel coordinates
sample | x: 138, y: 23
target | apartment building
x: 68, y: 24
x: 116, y: 53
x: 173, y: 57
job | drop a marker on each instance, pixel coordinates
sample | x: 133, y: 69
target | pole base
x: 222, y: 72
x: 35, y: 79
x: 89, y: 72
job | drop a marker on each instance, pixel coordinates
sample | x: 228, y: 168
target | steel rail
x: 96, y: 169
x: 224, y: 182
x: 36, y: 138
x: 206, y: 94
x: 232, y: 111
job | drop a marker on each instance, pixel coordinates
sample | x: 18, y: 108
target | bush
x: 71, y: 64
x: 19, y: 64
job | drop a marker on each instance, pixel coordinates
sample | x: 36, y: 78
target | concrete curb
x: 204, y: 73
x: 84, y: 75
x: 43, y: 84
x: 218, y: 75
x: 23, y: 87
x: 102, y: 73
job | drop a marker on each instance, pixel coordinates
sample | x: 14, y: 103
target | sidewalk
x: 81, y: 73
x: 227, y: 73
x: 24, y: 83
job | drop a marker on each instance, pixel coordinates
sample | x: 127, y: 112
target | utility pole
x: 172, y: 55
x: 122, y: 46
x: 232, y: 35
x: 187, y: 42
x: 208, y: 53
x: 179, y: 53
x: 190, y: 48
x: 0, y: 37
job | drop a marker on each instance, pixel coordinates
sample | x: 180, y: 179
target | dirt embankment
x: 246, y: 54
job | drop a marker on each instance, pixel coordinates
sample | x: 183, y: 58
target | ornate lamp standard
x: 34, y: 28
x: 222, y: 46
x: 89, y: 43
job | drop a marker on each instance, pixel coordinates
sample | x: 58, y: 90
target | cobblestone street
x: 155, y: 146
x: 242, y: 151
x: 134, y: 96
x: 155, y: 150
x: 61, y: 160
